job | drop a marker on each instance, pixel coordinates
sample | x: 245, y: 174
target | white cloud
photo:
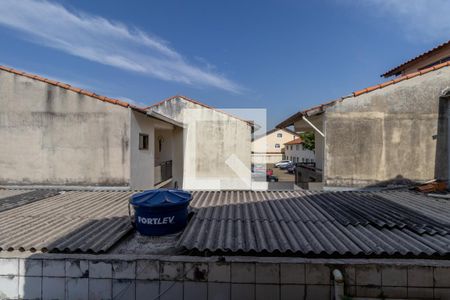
x: 104, y: 41
x: 418, y: 19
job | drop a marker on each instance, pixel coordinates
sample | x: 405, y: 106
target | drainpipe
x: 338, y: 285
x: 312, y: 125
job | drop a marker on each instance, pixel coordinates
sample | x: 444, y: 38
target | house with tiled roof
x: 393, y: 132
x: 430, y: 58
x: 296, y: 152
x: 54, y: 134
x: 269, y: 147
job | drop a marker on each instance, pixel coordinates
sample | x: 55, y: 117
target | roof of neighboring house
x: 425, y: 55
x: 275, y: 130
x: 251, y: 123
x: 10, y: 199
x: 202, y: 199
x: 327, y: 224
x: 71, y: 221
x: 294, y: 142
x: 282, y: 129
x: 321, y: 108
x: 72, y: 88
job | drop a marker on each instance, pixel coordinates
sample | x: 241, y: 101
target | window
x: 304, y: 148
x: 143, y: 141
x: 279, y: 135
x: 297, y: 147
x: 277, y: 145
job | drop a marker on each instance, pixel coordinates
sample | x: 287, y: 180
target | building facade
x: 296, y: 152
x: 269, y: 148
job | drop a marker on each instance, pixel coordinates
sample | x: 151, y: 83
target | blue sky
x: 282, y: 55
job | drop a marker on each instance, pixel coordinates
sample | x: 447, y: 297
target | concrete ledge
x: 249, y: 259
x: 67, y: 188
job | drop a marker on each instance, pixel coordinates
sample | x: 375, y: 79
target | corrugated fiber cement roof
x: 62, y: 221
x: 329, y: 224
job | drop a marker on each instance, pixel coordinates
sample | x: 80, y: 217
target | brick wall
x: 53, y: 276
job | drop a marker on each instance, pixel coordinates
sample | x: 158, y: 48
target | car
x: 286, y: 166
x: 271, y: 178
x: 282, y: 162
x: 291, y: 169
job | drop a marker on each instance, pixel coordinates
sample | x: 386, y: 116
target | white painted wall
x: 297, y: 153
x: 143, y: 161
x: 166, y: 153
x: 178, y: 157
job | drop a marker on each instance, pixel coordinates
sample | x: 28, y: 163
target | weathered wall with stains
x: 53, y: 136
x: 390, y: 133
x: 132, y: 277
x: 211, y: 138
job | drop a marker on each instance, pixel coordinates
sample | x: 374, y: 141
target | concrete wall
x: 57, y: 276
x: 52, y: 136
x: 211, y: 138
x: 390, y: 133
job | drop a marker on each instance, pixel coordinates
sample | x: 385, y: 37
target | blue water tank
x: 160, y: 212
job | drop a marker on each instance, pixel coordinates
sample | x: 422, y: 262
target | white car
x: 283, y: 163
